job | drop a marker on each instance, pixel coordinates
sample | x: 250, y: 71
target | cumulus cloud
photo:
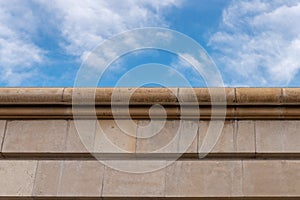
x: 85, y: 23
x: 17, y: 51
x: 80, y: 26
x: 259, y: 42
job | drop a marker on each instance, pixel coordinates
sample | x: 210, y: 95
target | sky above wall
x: 253, y: 43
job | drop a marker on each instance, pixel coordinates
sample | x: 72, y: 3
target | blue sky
x: 253, y: 43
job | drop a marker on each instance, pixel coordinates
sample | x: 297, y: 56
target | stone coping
x: 150, y: 96
x: 240, y: 103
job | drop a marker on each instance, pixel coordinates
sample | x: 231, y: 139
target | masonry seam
x: 197, y: 140
x: 35, y: 177
x: 62, y: 95
x: 3, y: 138
x: 235, y: 115
x: 255, y: 139
x: 165, y: 188
x: 243, y: 179
x: 67, y: 135
x: 235, y: 135
x: 102, y: 188
x: 136, y: 135
x: 282, y: 102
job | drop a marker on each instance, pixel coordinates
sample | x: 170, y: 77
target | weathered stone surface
x: 115, y: 136
x: 278, y: 136
x: 291, y: 95
x: 116, y: 96
x: 171, y: 136
x: 81, y: 178
x: 204, y: 179
x: 258, y: 95
x: 30, y: 95
x: 81, y: 137
x: 17, y: 177
x: 47, y: 178
x: 69, y: 178
x: 35, y: 136
x: 215, y: 142
x: 206, y: 96
x: 271, y: 178
x: 2, y: 130
x: 245, y: 137
x: 118, y: 182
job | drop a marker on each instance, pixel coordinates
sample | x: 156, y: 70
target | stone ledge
x: 48, y: 139
x: 91, y: 179
x: 150, y: 96
x: 241, y: 103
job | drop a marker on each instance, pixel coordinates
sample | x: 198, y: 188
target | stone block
x: 205, y: 96
x: 271, y: 178
x: 117, y: 96
x: 115, y: 136
x: 291, y: 95
x: 216, y: 141
x: 281, y: 136
x: 69, y: 178
x: 245, y: 137
x: 80, y: 137
x: 167, y: 137
x: 31, y: 95
x: 265, y: 95
x: 47, y: 178
x: 17, y: 177
x: 204, y: 179
x: 134, y: 179
x: 35, y: 136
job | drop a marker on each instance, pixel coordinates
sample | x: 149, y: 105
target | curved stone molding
x: 242, y: 103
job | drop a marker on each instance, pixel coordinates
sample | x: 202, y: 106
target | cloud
x: 80, y: 26
x: 84, y: 24
x: 258, y: 42
x: 17, y: 51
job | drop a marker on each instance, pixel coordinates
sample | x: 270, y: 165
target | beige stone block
x: 84, y: 95
x: 211, y: 140
x: 272, y: 178
x: 69, y: 178
x: 81, y: 136
x: 134, y: 178
x: 17, y: 177
x: 31, y: 95
x: 291, y: 95
x: 81, y: 178
x: 253, y: 113
x: 258, y: 95
x: 245, y: 137
x: 281, y: 136
x: 204, y: 179
x: 47, y: 178
x: 145, y: 96
x: 115, y: 136
x: 35, y: 136
x: 171, y: 136
x: 206, y: 96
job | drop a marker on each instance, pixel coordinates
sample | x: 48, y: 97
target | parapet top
x: 149, y: 96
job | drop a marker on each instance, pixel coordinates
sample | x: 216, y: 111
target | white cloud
x: 85, y: 23
x: 259, y: 42
x: 81, y: 25
x: 17, y: 52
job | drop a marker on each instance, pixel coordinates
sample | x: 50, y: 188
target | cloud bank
x: 258, y: 42
x: 80, y: 25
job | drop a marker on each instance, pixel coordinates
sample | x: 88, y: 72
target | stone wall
x: 45, y: 156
